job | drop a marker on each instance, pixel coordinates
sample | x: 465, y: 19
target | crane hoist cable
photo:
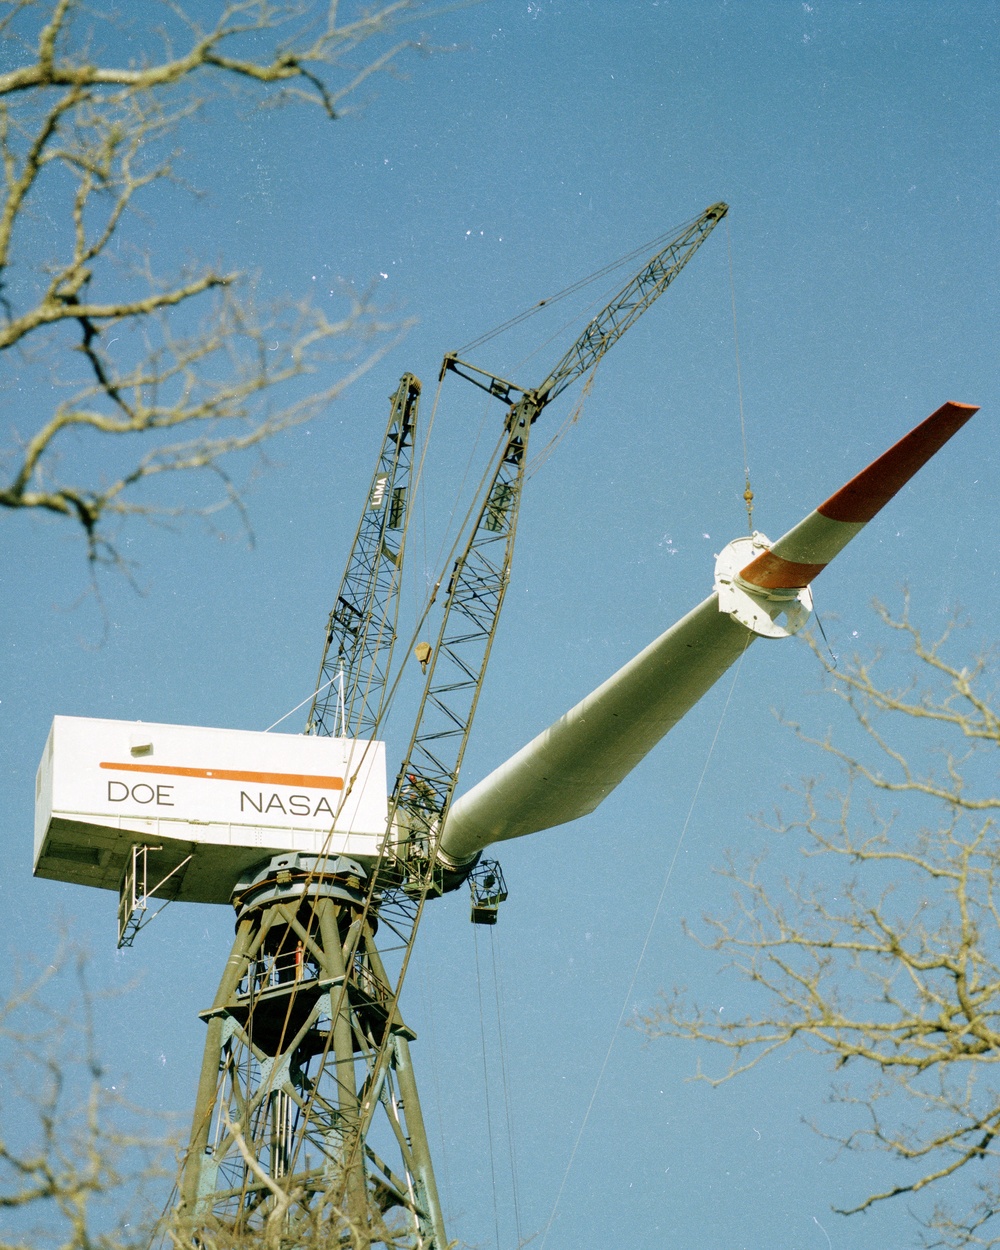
x: 486, y: 1087
x: 748, y: 490
x: 574, y: 415
x: 480, y: 428
x: 508, y: 1116
x: 599, y: 301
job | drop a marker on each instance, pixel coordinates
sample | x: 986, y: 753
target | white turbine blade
x: 570, y: 767
x: 575, y: 763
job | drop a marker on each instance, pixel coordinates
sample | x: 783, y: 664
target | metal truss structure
x: 307, y: 1119
x: 293, y: 1114
x: 361, y: 631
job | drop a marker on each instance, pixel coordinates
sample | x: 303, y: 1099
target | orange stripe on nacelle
x: 229, y: 774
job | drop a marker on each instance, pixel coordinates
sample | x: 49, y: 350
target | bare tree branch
x: 884, y: 953
x: 80, y: 1166
x: 84, y: 141
x: 69, y: 1142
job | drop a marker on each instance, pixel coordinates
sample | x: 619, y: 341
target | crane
x: 307, y: 1081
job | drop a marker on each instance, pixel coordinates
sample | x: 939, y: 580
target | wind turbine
x: 307, y: 1119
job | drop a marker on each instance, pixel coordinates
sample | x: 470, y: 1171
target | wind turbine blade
x: 570, y: 767
x: 575, y: 763
x: 805, y: 551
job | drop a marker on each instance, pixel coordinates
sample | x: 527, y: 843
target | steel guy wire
x: 486, y: 1086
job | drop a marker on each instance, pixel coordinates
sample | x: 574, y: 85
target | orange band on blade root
x: 872, y: 489
x: 831, y: 527
x: 771, y: 572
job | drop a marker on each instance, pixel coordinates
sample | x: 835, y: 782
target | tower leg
x: 418, y: 1139
x: 296, y: 1119
x: 208, y: 1081
x: 346, y: 1078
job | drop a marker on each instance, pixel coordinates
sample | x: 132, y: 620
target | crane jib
x: 630, y: 303
x: 479, y: 579
x: 604, y: 330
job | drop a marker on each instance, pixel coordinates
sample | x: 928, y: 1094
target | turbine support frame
x: 286, y: 1129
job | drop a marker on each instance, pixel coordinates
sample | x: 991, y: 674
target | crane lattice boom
x: 630, y: 303
x: 604, y: 330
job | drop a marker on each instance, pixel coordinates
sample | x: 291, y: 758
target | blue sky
x: 856, y: 144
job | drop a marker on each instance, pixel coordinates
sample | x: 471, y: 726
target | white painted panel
x: 229, y: 797
x: 280, y: 781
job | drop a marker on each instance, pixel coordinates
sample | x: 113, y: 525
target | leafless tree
x: 77, y: 1161
x: 83, y: 1168
x: 884, y: 953
x: 154, y: 368
x: 325, y: 1224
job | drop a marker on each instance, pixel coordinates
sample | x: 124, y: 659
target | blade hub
x: 760, y: 611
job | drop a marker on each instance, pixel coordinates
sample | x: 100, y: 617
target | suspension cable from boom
x: 604, y: 330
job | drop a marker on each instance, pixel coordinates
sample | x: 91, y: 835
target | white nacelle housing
x: 225, y: 798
